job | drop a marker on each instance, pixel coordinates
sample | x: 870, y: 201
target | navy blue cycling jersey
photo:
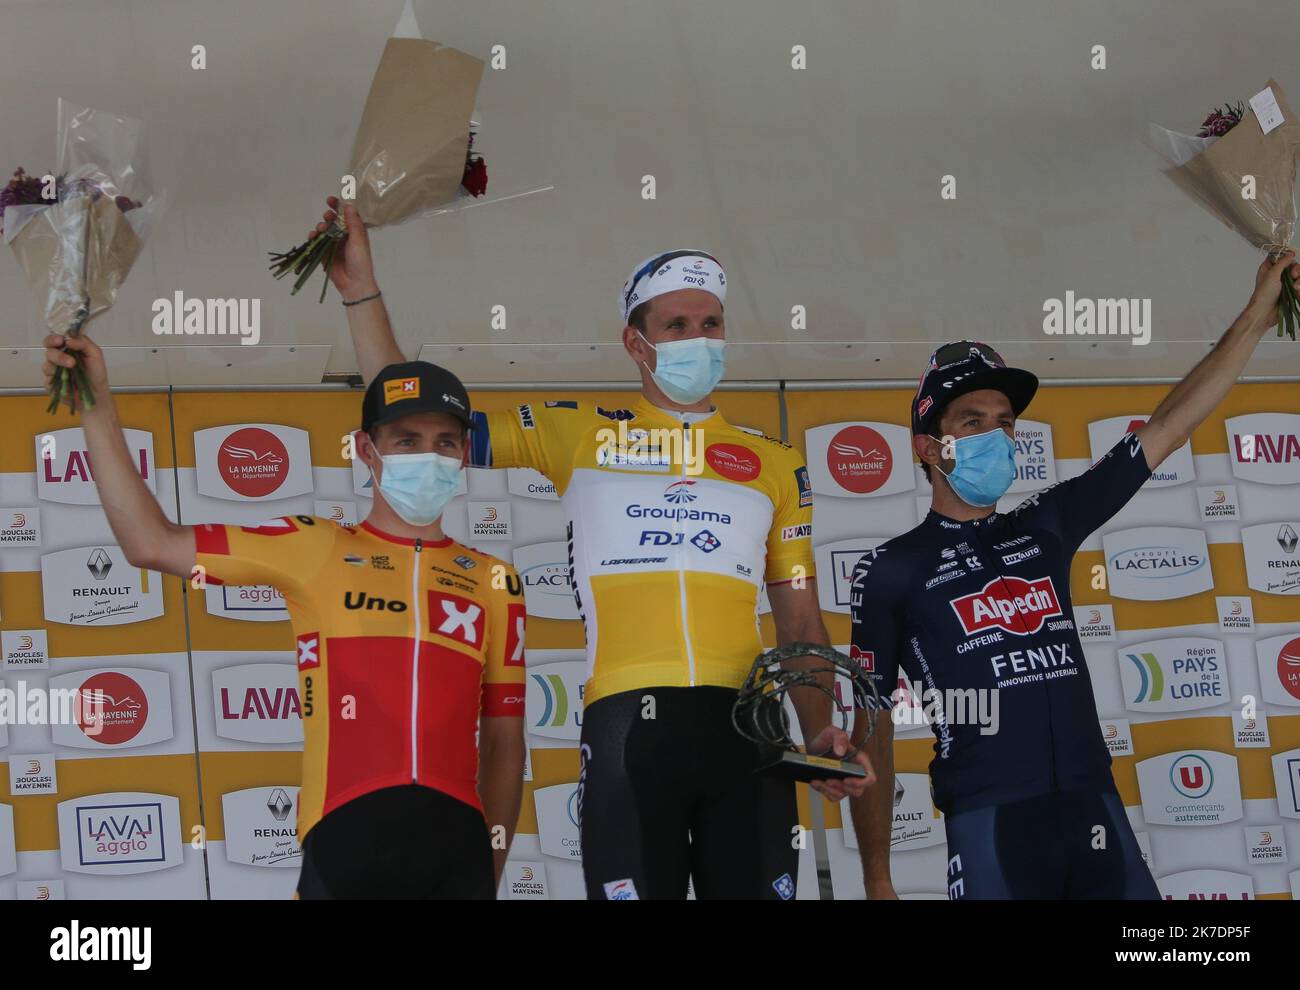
x: 966, y: 607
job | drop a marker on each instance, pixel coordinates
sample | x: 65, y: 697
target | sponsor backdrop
x: 105, y: 804
x: 213, y: 725
x: 1199, y: 609
x: 1187, y: 603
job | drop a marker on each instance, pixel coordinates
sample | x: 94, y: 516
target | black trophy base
x: 789, y: 765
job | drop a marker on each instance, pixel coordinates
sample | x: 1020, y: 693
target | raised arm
x: 147, y: 537
x: 1197, y: 395
x: 353, y: 274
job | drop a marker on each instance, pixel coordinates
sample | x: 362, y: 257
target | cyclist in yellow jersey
x: 668, y: 551
x: 407, y: 644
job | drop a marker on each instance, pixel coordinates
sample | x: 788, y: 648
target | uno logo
x: 859, y: 459
x: 253, y: 462
x: 401, y: 388
x: 1011, y: 603
x: 113, y: 708
x: 733, y: 461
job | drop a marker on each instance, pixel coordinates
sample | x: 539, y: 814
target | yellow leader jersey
x: 671, y: 532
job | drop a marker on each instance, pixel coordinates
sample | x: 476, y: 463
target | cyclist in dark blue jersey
x: 974, y: 605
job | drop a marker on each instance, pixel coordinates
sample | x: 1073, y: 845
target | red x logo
x: 308, y: 651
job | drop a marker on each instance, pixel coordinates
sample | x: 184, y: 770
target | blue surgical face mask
x: 688, y: 370
x: 418, y: 486
x: 985, y: 468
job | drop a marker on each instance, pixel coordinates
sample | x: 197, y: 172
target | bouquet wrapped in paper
x: 413, y: 155
x: 1241, y: 167
x: 77, y: 231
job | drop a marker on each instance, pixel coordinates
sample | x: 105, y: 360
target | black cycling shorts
x: 676, y: 796
x: 1058, y: 846
x: 398, y: 843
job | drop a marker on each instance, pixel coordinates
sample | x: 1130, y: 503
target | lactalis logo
x: 544, y: 570
x: 1157, y: 563
x: 1010, y: 603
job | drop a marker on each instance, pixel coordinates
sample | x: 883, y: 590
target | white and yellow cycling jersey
x: 673, y: 528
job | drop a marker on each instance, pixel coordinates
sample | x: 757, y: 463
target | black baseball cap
x: 413, y: 387
x: 966, y: 366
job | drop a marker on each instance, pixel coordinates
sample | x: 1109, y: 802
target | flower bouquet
x: 1241, y: 166
x: 78, y: 231
x: 413, y: 154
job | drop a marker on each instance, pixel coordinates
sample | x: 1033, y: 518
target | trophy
x: 761, y: 715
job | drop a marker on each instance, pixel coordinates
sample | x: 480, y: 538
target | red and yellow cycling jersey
x: 672, y: 531
x: 401, y: 644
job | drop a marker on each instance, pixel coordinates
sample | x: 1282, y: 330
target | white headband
x: 669, y: 272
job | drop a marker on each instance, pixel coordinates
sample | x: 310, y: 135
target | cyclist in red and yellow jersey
x: 407, y: 644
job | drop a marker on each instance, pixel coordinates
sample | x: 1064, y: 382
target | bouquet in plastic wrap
x: 1241, y: 167
x: 413, y: 155
x: 78, y: 230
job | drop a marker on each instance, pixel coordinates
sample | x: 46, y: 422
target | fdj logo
x: 1192, y: 776
x: 706, y: 541
x: 660, y: 538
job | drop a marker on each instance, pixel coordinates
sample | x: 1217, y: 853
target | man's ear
x: 365, y: 447
x: 925, y: 449
x: 633, y: 343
